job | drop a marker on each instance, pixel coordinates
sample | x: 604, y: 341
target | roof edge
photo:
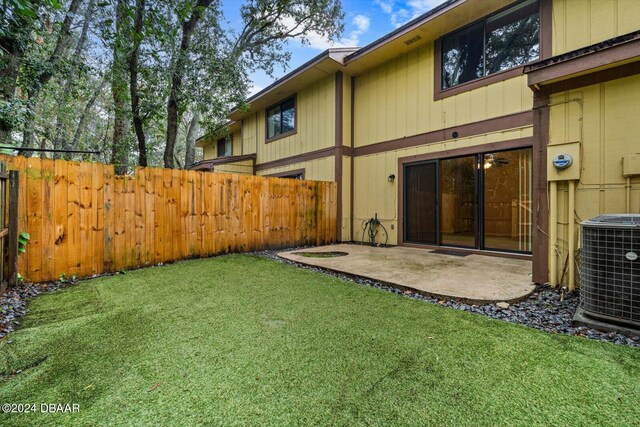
x: 583, y: 51
x: 327, y: 54
x: 430, y: 14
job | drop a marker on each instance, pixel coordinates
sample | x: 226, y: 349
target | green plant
x: 62, y: 278
x: 23, y: 240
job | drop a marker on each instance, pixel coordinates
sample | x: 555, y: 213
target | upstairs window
x: 224, y: 146
x: 504, y: 40
x: 281, y: 119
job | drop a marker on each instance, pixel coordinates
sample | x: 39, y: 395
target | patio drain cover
x: 449, y: 252
x: 330, y: 254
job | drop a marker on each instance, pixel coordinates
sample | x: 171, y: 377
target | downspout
x: 628, y: 193
x: 572, y: 230
x: 553, y: 233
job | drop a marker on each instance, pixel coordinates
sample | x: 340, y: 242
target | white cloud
x: 402, y: 12
x: 360, y: 23
x: 254, y: 88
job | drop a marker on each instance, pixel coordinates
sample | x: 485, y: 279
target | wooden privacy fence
x: 84, y: 220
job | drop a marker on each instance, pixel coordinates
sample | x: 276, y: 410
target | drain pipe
x: 628, y: 191
x: 553, y: 233
x: 572, y: 229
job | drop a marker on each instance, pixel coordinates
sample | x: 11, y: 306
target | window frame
x: 544, y: 41
x: 227, y: 140
x: 293, y: 97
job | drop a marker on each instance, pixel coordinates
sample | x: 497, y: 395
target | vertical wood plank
x: 34, y: 221
x: 48, y: 240
x: 108, y: 218
x: 139, y: 182
x: 149, y: 216
x: 85, y: 247
x: 97, y: 235
x: 61, y: 238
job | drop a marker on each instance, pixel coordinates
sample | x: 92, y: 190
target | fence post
x: 12, y: 256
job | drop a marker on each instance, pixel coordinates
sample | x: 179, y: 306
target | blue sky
x: 365, y: 21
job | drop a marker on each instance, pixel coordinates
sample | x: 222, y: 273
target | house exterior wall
x: 603, y: 118
x: 243, y: 167
x: 579, y: 23
x: 210, y: 147
x: 360, y: 127
x: 317, y: 169
x: 396, y: 100
x: 315, y: 124
x: 373, y: 194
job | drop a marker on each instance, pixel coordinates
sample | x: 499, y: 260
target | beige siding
x: 315, y: 120
x: 373, y: 194
x: 604, y: 118
x: 395, y: 100
x: 579, y: 23
x: 315, y: 170
x: 244, y: 167
x: 210, y: 149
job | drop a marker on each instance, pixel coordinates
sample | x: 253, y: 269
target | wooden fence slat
x: 85, y: 247
x: 139, y: 208
x: 149, y: 216
x: 60, y: 219
x: 47, y: 242
x: 98, y: 213
x: 84, y: 220
x: 34, y: 221
x: 108, y: 258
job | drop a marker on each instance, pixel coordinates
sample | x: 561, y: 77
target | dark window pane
x: 512, y: 37
x: 507, y: 200
x: 273, y: 122
x: 224, y: 146
x: 462, y: 58
x: 420, y: 213
x: 281, y: 118
x: 288, y: 119
x: 458, y: 201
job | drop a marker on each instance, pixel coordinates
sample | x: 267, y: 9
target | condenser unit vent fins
x: 610, y: 268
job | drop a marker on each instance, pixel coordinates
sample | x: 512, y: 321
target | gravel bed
x: 13, y: 304
x: 545, y: 309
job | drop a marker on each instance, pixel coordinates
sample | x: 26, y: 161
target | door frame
x: 513, y: 144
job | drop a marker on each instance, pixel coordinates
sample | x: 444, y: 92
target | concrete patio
x: 472, y: 278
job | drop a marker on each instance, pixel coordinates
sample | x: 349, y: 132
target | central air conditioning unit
x: 610, y: 272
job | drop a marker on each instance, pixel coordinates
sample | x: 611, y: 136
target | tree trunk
x: 119, y: 146
x: 173, y: 118
x: 190, y: 146
x: 133, y: 83
x: 84, y: 118
x: 29, y: 126
x: 61, y: 138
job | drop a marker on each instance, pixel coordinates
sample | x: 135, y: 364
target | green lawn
x: 241, y: 340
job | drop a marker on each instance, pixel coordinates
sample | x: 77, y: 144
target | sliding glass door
x: 482, y: 201
x: 507, y: 200
x: 458, y: 201
x: 420, y: 203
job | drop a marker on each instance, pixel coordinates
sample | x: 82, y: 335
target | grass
x: 240, y: 340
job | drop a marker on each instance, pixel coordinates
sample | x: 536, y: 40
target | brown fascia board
x: 337, y: 55
x: 608, y: 53
x: 229, y: 125
x: 400, y: 31
x: 207, y: 164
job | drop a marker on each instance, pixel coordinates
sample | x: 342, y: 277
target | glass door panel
x: 507, y: 200
x: 420, y: 203
x: 458, y: 201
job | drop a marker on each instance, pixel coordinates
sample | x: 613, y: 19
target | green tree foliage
x: 137, y: 79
